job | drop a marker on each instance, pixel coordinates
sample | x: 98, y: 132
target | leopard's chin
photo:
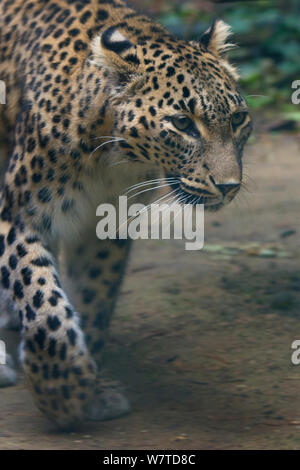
x: 214, y: 207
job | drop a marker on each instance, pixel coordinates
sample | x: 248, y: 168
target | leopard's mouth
x: 193, y: 197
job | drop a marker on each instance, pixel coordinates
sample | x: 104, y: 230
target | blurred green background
x: 267, y: 33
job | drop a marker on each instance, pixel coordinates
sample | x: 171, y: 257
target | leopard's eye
x: 182, y: 122
x: 238, y: 118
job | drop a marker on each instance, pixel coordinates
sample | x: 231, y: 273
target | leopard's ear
x: 114, y: 50
x: 215, y: 38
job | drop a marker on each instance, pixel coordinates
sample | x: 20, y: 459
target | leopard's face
x: 185, y: 113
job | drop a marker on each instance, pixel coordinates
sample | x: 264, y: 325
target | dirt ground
x: 202, y: 340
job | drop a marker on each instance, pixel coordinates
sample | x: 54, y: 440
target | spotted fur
x: 76, y: 72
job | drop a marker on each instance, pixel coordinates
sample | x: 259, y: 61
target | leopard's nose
x: 227, y: 188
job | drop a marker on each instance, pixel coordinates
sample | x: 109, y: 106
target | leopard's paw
x: 110, y: 403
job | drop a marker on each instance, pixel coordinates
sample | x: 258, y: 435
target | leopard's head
x: 178, y: 105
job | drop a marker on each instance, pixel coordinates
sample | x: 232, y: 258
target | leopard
x: 90, y: 85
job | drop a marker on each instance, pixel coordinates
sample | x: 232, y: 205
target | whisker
x: 251, y: 182
x: 151, y: 189
x: 194, y: 201
x: 144, y: 209
x: 148, y: 183
x: 257, y: 96
x: 107, y: 137
x: 157, y: 200
x: 117, y: 139
x: 178, y: 199
x: 167, y: 204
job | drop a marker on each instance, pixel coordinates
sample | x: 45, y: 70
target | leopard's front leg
x: 56, y: 361
x: 94, y: 270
